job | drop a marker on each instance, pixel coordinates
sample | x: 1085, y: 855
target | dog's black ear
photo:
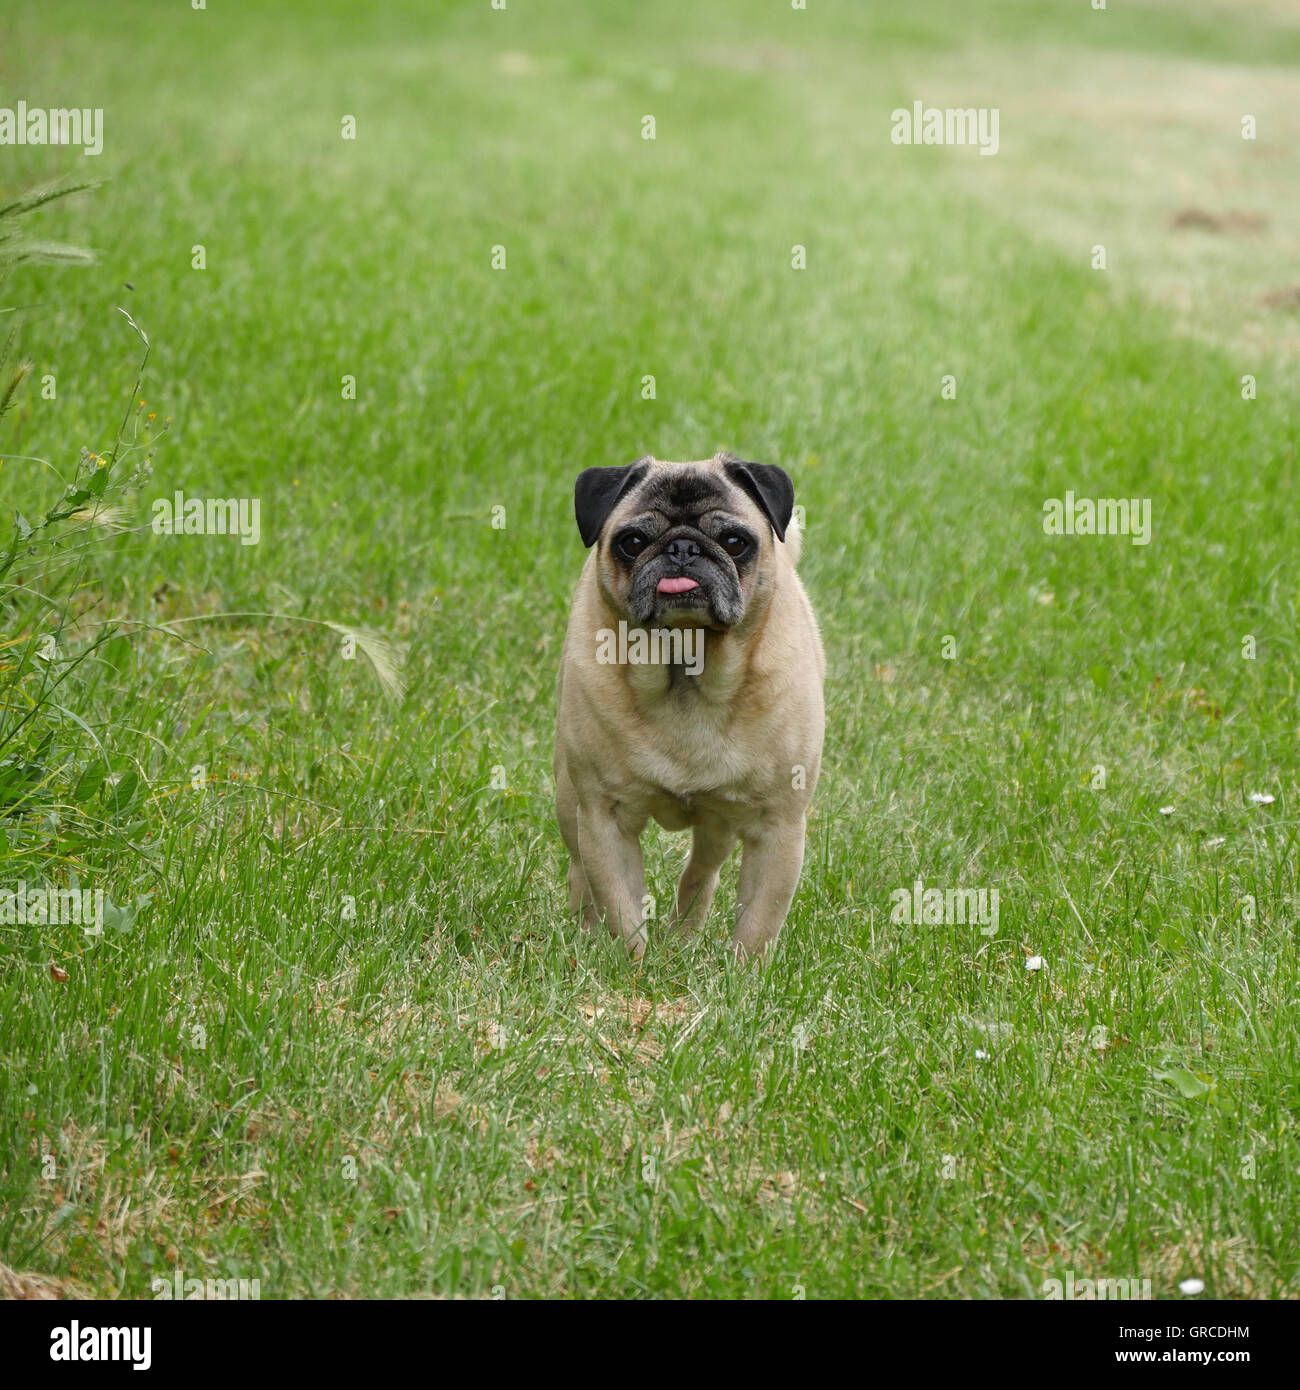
x: 596, y: 494
x: 769, y: 486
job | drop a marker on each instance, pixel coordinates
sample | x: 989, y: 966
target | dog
x: 688, y: 560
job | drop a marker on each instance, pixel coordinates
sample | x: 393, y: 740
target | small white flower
x: 1262, y: 799
x: 1192, y: 1286
x: 1216, y: 842
x: 1035, y: 963
x: 981, y: 1056
x: 1166, y: 810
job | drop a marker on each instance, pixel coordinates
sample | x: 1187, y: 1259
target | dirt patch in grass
x: 1145, y: 156
x: 38, y: 1287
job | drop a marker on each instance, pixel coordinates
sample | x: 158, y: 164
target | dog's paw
x: 635, y: 941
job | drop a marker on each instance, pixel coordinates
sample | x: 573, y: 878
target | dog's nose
x: 683, y: 552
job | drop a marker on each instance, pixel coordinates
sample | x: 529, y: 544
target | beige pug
x: 690, y: 690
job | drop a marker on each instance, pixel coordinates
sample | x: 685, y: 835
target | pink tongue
x: 677, y: 586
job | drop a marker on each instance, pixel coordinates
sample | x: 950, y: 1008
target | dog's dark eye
x: 735, y: 544
x: 632, y: 544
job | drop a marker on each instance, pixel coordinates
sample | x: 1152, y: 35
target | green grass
x: 521, y: 1108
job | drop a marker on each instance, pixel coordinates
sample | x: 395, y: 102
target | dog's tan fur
x: 719, y: 753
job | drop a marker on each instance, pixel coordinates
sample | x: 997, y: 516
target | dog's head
x: 684, y: 544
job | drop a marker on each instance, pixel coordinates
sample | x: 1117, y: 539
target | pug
x: 690, y: 690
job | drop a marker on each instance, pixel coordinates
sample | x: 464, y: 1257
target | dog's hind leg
x: 566, y: 809
x: 710, y: 847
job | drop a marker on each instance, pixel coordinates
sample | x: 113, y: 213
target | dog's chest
x: 687, y: 763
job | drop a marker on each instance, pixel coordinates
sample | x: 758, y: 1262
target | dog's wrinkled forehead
x: 684, y: 492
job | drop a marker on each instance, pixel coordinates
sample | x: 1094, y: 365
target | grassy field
x: 339, y: 1035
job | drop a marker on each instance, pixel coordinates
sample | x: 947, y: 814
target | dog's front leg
x: 769, y: 875
x: 611, y: 859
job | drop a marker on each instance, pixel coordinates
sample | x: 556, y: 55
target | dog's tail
x: 794, y: 540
